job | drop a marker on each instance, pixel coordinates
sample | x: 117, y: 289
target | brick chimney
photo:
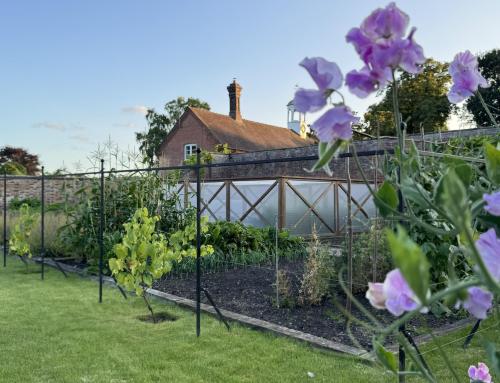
x: 234, y: 90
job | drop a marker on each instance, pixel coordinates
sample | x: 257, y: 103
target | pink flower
x: 481, y: 373
x: 466, y: 77
x: 375, y: 294
x: 492, y: 203
x: 478, y: 302
x: 488, y: 246
x: 394, y: 294
x: 334, y: 124
x: 326, y: 75
x: 399, y: 297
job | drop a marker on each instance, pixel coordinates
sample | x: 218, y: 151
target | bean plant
x: 19, y: 241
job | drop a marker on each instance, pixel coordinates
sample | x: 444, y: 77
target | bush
x: 365, y: 245
x: 16, y: 203
x: 20, y: 235
x: 236, y: 245
x: 319, y: 273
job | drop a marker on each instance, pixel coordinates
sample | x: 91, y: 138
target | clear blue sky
x: 73, y: 73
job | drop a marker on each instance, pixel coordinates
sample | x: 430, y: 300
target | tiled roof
x: 249, y: 136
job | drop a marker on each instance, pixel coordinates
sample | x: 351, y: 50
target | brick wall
x: 28, y: 187
x: 337, y: 166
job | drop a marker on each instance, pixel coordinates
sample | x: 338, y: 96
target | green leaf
x: 454, y: 199
x: 493, y: 356
x: 387, y: 358
x: 326, y: 152
x: 386, y: 198
x: 414, y: 192
x: 411, y: 261
x: 492, y: 157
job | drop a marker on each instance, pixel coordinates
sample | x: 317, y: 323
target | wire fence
x: 292, y: 283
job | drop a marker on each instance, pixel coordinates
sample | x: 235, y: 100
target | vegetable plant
x: 144, y: 255
x: 19, y: 241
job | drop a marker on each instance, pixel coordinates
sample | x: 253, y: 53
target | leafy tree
x: 159, y: 125
x: 422, y: 101
x: 489, y: 65
x: 20, y: 156
x: 19, y: 241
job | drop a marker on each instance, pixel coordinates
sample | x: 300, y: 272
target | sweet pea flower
x: 334, y: 124
x: 381, y: 45
x: 375, y: 294
x: 481, y: 373
x: 492, y: 203
x: 326, y: 75
x: 366, y: 81
x: 385, y: 24
x: 488, y: 246
x: 478, y: 302
x: 399, y: 297
x: 466, y: 77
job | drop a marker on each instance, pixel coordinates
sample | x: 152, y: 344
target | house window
x: 189, y: 150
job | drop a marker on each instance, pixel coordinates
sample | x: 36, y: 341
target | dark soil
x: 250, y: 291
x: 159, y: 317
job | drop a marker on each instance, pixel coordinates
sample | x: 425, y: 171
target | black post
x: 5, y: 242
x: 198, y: 243
x: 101, y: 231
x: 42, y: 222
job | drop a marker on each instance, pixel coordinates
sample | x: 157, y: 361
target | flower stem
x: 488, y: 111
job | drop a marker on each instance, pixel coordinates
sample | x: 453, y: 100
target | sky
x: 75, y: 73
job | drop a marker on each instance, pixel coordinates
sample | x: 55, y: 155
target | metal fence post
x: 282, y: 203
x: 42, y: 223
x: 198, y: 243
x: 5, y: 242
x: 101, y: 231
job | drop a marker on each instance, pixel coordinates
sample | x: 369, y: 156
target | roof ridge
x: 229, y: 117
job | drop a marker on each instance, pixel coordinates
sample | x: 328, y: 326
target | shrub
x: 20, y: 235
x: 319, y: 272
x: 284, y: 289
x: 16, y: 203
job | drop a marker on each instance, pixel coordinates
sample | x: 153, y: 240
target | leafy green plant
x: 20, y: 236
x: 144, y: 255
x: 283, y: 285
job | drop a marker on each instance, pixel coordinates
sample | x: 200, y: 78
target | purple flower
x: 381, y: 45
x: 466, y: 77
x: 387, y: 23
x: 375, y: 294
x: 481, y: 373
x: 366, y: 81
x: 399, y: 297
x: 336, y: 123
x: 492, y: 203
x: 326, y: 75
x: 402, y: 53
x: 309, y: 100
x: 478, y: 302
x: 488, y: 246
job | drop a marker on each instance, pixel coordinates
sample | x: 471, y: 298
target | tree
x: 159, y: 125
x: 489, y: 66
x: 19, y: 156
x: 422, y: 101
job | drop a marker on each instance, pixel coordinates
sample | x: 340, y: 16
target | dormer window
x: 189, y: 150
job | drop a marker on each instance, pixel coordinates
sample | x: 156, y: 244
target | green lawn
x: 55, y: 331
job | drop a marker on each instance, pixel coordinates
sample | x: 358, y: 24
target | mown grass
x: 56, y: 331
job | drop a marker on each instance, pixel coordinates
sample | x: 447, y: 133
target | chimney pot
x: 234, y: 90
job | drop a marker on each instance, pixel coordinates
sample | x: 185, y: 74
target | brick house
x: 200, y: 128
